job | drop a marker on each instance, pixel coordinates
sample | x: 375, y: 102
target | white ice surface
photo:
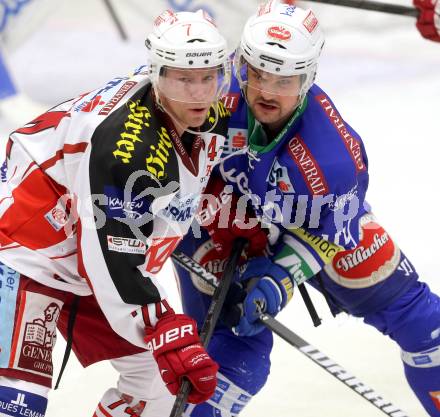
x: 385, y: 81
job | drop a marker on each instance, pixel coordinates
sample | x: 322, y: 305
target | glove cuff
x: 287, y: 286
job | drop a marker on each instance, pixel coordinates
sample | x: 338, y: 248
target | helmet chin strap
x: 176, y: 120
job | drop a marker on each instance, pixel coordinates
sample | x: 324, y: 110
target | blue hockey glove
x: 263, y: 287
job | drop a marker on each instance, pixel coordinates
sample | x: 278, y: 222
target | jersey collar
x: 257, y: 134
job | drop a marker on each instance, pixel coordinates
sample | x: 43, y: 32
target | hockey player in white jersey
x: 95, y: 195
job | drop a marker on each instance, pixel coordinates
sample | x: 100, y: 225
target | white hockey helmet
x: 281, y: 39
x: 187, y: 41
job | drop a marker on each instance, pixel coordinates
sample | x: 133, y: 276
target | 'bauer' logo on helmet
x: 197, y: 54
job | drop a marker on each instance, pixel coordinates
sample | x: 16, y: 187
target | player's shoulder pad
x: 134, y: 138
x: 321, y: 108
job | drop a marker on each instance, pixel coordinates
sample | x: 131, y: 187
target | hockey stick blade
x: 375, y: 6
x: 218, y: 299
x: 299, y: 343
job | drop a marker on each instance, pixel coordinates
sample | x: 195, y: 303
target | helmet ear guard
x: 283, y: 40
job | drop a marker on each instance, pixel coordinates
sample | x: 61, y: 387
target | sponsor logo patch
x: 19, y: 403
x: 289, y: 10
x: 279, y: 32
x: 108, y: 107
x: 235, y: 141
x: 279, y: 177
x: 167, y: 16
x: 136, y: 121
x: 301, y: 266
x: 422, y: 360
x: 208, y: 17
x: 352, y: 144
x: 310, y: 22
x: 308, y: 166
x: 182, y: 209
x: 265, y: 7
x: 157, y: 159
x: 125, y: 245
x: 118, y: 207
x: 90, y: 101
x: 92, y: 104
x: 326, y: 250
x: 221, y: 110
x: 36, y: 334
x: 230, y: 101
x: 57, y: 217
x: 207, y: 256
x: 9, y: 282
x: 373, y: 260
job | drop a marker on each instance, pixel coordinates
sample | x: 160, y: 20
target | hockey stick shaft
x: 376, y: 6
x: 212, y: 316
x: 299, y: 343
x: 332, y: 367
x: 116, y: 20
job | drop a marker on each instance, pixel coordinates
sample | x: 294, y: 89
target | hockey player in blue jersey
x: 306, y: 172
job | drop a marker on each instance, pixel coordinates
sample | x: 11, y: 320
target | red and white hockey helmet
x: 187, y: 41
x: 281, y: 39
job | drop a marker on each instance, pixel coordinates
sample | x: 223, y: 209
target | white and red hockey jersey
x: 96, y: 194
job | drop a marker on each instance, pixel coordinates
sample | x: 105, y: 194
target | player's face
x: 188, y: 94
x: 272, y: 98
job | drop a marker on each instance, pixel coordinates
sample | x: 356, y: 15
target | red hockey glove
x: 224, y: 224
x: 428, y: 22
x: 176, y: 347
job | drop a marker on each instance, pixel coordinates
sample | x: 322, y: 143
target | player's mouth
x: 263, y: 105
x: 198, y: 111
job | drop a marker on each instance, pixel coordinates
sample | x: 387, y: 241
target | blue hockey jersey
x: 310, y: 180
